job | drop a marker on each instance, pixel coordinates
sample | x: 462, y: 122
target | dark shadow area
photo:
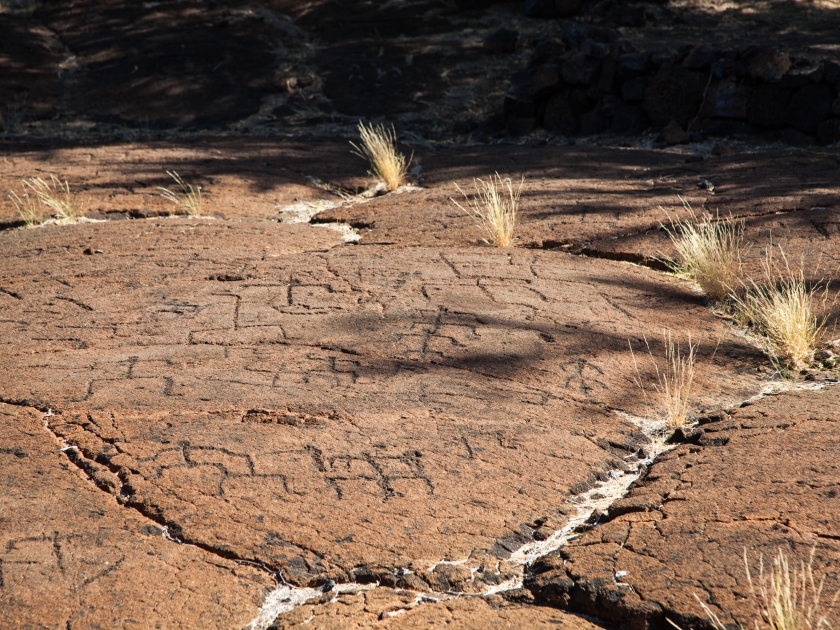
x: 205, y: 64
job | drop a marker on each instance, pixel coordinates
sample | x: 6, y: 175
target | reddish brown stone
x: 771, y: 484
x: 393, y: 610
x: 71, y: 556
x: 404, y: 397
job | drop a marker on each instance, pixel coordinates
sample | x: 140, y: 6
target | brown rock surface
x: 765, y: 478
x: 295, y: 408
x: 330, y: 411
x: 386, y: 608
x: 599, y: 202
x: 251, y: 177
x: 71, y: 556
x: 611, y: 204
x: 794, y: 207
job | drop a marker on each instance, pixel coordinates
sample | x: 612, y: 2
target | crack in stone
x: 659, y: 609
x: 77, y: 457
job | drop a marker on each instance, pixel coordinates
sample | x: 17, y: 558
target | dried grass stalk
x: 783, y: 311
x: 786, y: 599
x: 708, y: 252
x: 42, y: 197
x: 189, y: 199
x: 379, y: 147
x: 674, y: 381
x: 494, y: 206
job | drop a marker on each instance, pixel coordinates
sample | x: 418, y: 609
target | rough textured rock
x: 674, y: 93
x: 809, y: 106
x: 210, y: 65
x: 253, y: 177
x: 501, y: 41
x: 580, y: 70
x: 571, y: 196
x: 727, y: 100
x: 769, y: 65
x: 384, y: 608
x: 673, y: 134
x: 327, y: 411
x: 559, y: 117
x: 29, y: 53
x: 765, y: 478
x: 768, y: 106
x: 71, y: 556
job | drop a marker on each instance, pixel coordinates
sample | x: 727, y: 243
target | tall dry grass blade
x: 379, y: 147
x: 674, y: 381
x: 55, y: 195
x: 783, y: 312
x: 495, y: 207
x: 714, y: 620
x: 189, y: 199
x: 708, y: 252
x: 41, y: 197
x: 27, y: 208
x: 790, y: 600
x: 786, y: 599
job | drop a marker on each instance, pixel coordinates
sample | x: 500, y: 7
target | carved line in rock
x: 168, y: 530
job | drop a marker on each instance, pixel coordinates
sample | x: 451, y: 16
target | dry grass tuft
x: 674, y: 381
x: 495, y: 206
x: 189, y: 199
x: 379, y: 147
x: 42, y: 197
x: 27, y: 208
x: 783, y: 312
x: 786, y: 600
x: 709, y: 252
x: 791, y: 601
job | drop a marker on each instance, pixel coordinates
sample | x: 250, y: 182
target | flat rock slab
x: 244, y: 177
x: 764, y: 478
x: 343, y: 412
x: 611, y: 203
x: 401, y: 610
x: 71, y: 556
x: 602, y: 202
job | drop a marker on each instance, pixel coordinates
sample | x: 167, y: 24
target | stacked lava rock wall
x: 587, y: 81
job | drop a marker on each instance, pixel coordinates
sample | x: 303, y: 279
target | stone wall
x: 586, y: 81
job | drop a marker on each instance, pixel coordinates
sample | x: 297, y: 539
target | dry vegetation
x: 379, y: 147
x: 673, y: 381
x: 785, y: 599
x: 495, y: 206
x: 709, y: 252
x: 783, y: 312
x: 189, y: 197
x: 42, y: 198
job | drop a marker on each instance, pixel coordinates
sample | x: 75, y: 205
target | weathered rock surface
x: 571, y: 195
x: 71, y: 556
x: 796, y: 210
x: 341, y: 413
x: 763, y: 479
x: 386, y: 608
x: 253, y: 177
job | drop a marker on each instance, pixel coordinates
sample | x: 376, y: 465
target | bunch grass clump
x: 379, y: 147
x: 708, y: 252
x: 45, y: 198
x: 783, y: 312
x: 495, y: 206
x: 674, y: 381
x: 27, y: 208
x: 786, y: 599
x: 791, y: 600
x: 189, y: 197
